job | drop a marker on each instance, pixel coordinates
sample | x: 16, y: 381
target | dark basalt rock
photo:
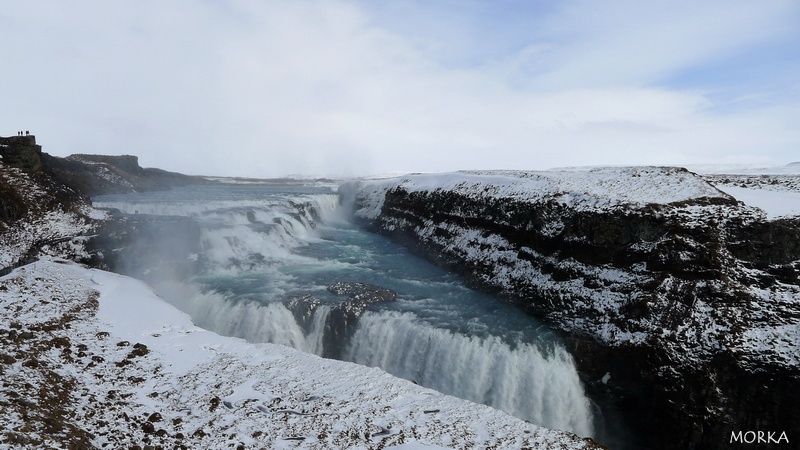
x: 361, y: 295
x: 343, y: 317
x: 12, y: 205
x: 303, y: 308
x: 635, y: 290
x: 22, y: 152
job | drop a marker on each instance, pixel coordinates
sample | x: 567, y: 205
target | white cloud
x: 630, y: 42
x: 270, y: 88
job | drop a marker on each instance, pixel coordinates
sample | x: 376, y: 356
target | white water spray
x: 523, y: 381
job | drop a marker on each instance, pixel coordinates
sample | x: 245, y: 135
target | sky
x: 353, y: 87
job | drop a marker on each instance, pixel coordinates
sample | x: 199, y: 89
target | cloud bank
x: 253, y: 88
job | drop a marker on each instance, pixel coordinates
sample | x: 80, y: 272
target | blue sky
x: 338, y: 87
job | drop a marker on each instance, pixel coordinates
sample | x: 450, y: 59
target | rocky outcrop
x: 21, y: 152
x: 680, y: 304
x: 361, y: 295
x: 40, y: 216
x: 89, y: 174
x: 126, y: 163
x: 12, y: 204
x: 45, y: 209
x: 343, y: 316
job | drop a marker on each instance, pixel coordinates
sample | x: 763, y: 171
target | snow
x: 782, y: 341
x: 749, y: 169
x: 578, y: 188
x: 774, y: 203
x: 776, y: 195
x: 146, y: 375
x: 414, y: 446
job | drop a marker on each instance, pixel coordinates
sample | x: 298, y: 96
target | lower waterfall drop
x: 523, y: 381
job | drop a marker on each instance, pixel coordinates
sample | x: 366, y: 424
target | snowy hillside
x: 41, y: 217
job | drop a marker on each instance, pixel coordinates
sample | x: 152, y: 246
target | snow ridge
x: 580, y: 189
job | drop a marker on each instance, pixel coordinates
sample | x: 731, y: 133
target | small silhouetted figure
x: 27, y: 133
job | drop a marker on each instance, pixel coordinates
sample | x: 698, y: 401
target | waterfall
x: 539, y: 385
x: 263, y: 249
x: 251, y: 320
x: 524, y: 381
x: 239, y: 234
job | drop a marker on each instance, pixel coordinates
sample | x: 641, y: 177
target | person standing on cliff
x: 27, y: 133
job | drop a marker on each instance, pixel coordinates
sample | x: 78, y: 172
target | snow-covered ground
x: 776, y: 195
x: 94, y: 358
x: 746, y: 169
x: 774, y: 203
x: 584, y: 188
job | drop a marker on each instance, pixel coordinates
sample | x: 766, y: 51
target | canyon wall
x: 680, y: 303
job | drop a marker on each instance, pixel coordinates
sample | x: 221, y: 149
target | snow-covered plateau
x: 679, y: 292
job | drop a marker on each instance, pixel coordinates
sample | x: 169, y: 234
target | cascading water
x: 268, y: 255
x: 523, y: 380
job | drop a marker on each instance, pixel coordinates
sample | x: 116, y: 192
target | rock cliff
x: 89, y: 174
x: 45, y: 207
x: 102, y: 174
x: 680, y: 303
x: 22, y: 152
x: 38, y: 214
